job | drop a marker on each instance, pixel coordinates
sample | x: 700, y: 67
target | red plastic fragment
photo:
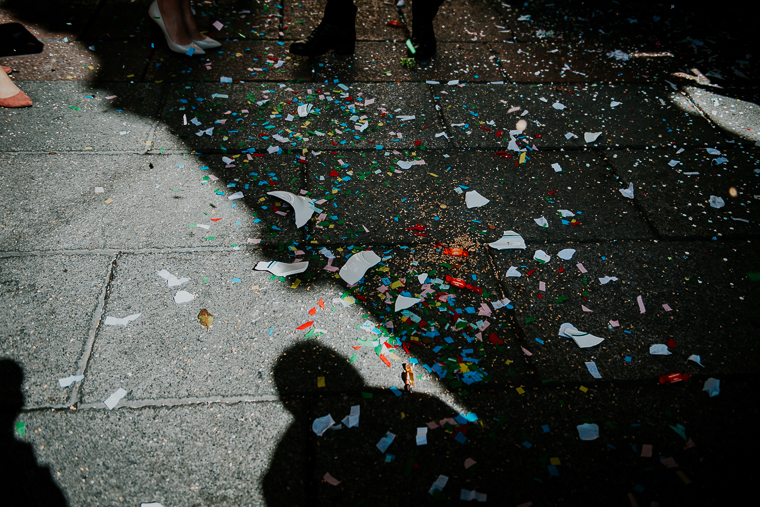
x: 395, y: 23
x: 671, y: 344
x: 417, y: 143
x: 334, y: 174
x: 417, y: 227
x: 456, y: 252
x: 530, y: 272
x: 495, y: 339
x: 674, y: 377
x: 456, y: 282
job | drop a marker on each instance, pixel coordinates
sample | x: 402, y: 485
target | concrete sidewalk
x: 130, y: 161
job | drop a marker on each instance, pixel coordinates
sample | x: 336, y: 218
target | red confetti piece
x: 313, y: 311
x: 385, y: 360
x: 304, y: 326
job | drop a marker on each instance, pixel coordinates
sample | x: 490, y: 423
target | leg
x: 423, y: 35
x: 336, y: 31
x: 172, y: 13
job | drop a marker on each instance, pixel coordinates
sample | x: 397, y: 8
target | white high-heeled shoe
x: 155, y: 14
x: 207, y: 43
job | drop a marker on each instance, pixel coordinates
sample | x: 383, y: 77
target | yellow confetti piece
x: 508, y: 361
x: 320, y: 382
x: 255, y: 287
x: 69, y: 77
x: 584, y: 389
x: 520, y: 390
x: 108, y: 201
x: 434, y: 175
x: 522, y: 157
x: 403, y: 415
x: 296, y: 283
x: 554, y: 461
x: 131, y: 75
x: 88, y: 147
x: 396, y: 284
x: 683, y: 477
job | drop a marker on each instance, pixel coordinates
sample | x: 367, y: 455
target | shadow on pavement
x: 23, y: 482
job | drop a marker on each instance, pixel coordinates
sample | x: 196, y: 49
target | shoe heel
x: 345, y: 49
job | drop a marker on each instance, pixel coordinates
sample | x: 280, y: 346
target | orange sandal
x: 7, y: 70
x: 21, y: 99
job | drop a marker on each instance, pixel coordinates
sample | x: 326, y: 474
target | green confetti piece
x: 366, y: 395
x: 21, y: 428
x: 410, y: 46
x: 211, y: 238
x: 560, y: 299
x: 530, y: 319
x: 754, y: 276
x: 192, y: 225
x: 353, y: 358
x: 204, y: 279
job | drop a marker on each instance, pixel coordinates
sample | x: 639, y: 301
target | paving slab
x: 705, y: 285
x: 463, y: 21
x: 49, y: 304
x: 263, y: 106
x: 172, y: 193
x: 546, y: 61
x: 673, y: 189
x: 79, y: 117
x: 49, y: 19
x: 302, y: 17
x: 130, y: 455
x: 587, y: 108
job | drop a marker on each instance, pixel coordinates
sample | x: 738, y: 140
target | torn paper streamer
x: 659, y: 349
x: 322, y: 424
x: 282, y: 268
x: 352, y: 419
x: 171, y: 280
x: 357, y: 265
x: 593, y: 370
x: 468, y: 495
x: 183, y: 297
x: 590, y: 137
x: 607, y: 279
x: 510, y: 240
x: 566, y: 254
x: 114, y: 399
x: 403, y: 302
x: 475, y: 200
x: 541, y: 222
x: 66, y: 382
x: 588, y: 431
x: 113, y: 321
x: 627, y: 192
x: 303, y: 207
x: 541, y: 256
x: 583, y: 340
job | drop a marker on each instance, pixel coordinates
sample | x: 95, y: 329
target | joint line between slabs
x: 94, y: 324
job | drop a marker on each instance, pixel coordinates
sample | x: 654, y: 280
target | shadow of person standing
x: 23, y: 482
x: 403, y: 473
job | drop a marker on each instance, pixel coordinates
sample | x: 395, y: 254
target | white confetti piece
x: 183, y: 297
x: 114, y: 399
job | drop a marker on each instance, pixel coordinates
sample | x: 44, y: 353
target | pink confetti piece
x: 640, y: 300
x: 332, y: 480
x: 527, y: 352
x: 586, y: 309
x: 614, y: 323
x: 212, y: 177
x: 218, y: 25
x: 542, y: 286
x: 484, y: 310
x: 646, y: 451
x: 432, y: 425
x: 111, y: 97
x: 581, y: 268
x: 667, y: 308
x: 254, y: 240
x: 469, y: 462
x: 513, y: 109
x: 365, y: 229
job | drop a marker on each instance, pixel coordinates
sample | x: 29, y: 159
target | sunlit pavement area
x: 141, y: 176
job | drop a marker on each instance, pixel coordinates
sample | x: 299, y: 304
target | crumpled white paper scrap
x: 66, y: 382
x: 474, y: 200
x: 627, y: 192
x: 322, y: 424
x: 282, y: 268
x: 183, y: 297
x: 357, y: 265
x: 659, y: 349
x: 114, y: 321
x: 541, y: 222
x: 582, y: 339
x: 304, y: 208
x: 509, y: 240
x: 171, y: 280
x: 590, y: 137
x: 716, y: 202
x: 403, y: 302
x: 114, y: 399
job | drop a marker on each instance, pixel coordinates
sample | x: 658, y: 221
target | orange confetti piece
x: 385, y: 360
x: 313, y: 311
x: 321, y: 304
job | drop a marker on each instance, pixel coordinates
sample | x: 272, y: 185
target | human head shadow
x: 23, y: 481
x: 402, y: 474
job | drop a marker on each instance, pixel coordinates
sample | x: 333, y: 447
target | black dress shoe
x: 423, y: 41
x: 327, y: 37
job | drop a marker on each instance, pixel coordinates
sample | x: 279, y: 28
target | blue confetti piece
x: 396, y: 390
x: 527, y: 444
x: 628, y: 359
x: 540, y: 341
x: 545, y: 427
x: 236, y: 280
x: 460, y: 438
x: 271, y: 331
x: 553, y: 471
